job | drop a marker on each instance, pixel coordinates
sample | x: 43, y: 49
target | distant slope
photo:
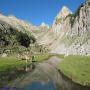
x: 13, y: 40
x: 11, y: 27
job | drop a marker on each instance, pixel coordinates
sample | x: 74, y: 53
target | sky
x: 37, y: 11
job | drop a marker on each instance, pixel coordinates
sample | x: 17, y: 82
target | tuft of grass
x: 76, y: 68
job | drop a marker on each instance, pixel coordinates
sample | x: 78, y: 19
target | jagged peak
x: 64, y: 12
x: 65, y: 8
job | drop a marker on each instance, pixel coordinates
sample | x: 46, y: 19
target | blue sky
x: 37, y: 11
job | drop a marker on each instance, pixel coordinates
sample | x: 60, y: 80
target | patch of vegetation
x: 60, y: 55
x: 24, y: 39
x: 9, y: 63
x: 42, y: 57
x: 12, y: 39
x: 76, y: 68
x: 70, y: 15
x: 9, y: 69
x: 58, y: 20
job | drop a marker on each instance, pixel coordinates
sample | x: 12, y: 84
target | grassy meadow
x: 76, y: 68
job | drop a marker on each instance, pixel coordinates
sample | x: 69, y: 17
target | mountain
x: 13, y: 40
x: 18, y: 36
x: 62, y: 14
x: 75, y: 38
x: 50, y: 37
x: 69, y: 33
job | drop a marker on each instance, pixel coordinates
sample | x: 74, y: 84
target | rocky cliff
x: 75, y: 38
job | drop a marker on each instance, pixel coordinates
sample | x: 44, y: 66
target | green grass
x: 11, y: 62
x: 42, y: 57
x: 60, y: 56
x: 10, y: 67
x: 76, y: 68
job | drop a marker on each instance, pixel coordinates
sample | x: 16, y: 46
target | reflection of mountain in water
x: 47, y: 77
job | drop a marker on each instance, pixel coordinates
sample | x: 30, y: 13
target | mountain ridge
x: 69, y: 33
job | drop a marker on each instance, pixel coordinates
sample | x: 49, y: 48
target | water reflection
x: 40, y: 86
x: 47, y: 72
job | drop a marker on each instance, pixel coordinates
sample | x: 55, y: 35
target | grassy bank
x: 42, y: 57
x: 10, y: 63
x: 60, y: 55
x: 11, y: 67
x: 76, y: 68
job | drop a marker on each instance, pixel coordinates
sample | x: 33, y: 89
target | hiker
x: 33, y: 62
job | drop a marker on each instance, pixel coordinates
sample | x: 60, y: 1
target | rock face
x: 80, y: 30
x: 76, y: 32
x: 59, y: 21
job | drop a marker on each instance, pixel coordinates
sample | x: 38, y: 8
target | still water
x: 47, y: 77
x: 40, y: 86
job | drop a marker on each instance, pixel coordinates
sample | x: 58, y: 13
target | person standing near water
x: 33, y: 58
x: 33, y: 61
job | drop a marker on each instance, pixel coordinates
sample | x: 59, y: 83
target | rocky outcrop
x: 80, y: 30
